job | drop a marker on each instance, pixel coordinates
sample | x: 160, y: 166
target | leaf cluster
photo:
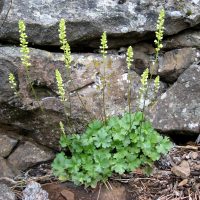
x: 119, y: 145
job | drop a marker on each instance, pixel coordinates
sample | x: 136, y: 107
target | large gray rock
x: 125, y: 21
x: 6, y: 193
x: 178, y: 109
x: 7, y: 144
x: 174, y: 62
x: 6, y: 169
x: 29, y: 154
x: 24, y: 112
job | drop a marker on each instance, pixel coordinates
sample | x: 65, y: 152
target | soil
x: 170, y: 180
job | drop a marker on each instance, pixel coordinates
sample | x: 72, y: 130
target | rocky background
x: 29, y: 136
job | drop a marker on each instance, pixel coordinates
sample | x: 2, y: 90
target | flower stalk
x: 103, y: 49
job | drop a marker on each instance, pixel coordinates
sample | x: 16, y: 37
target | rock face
x: 24, y: 111
x: 174, y: 62
x: 123, y: 20
x: 6, y: 193
x: 28, y: 155
x: 178, y: 109
x: 7, y: 144
x: 29, y: 122
x: 6, y: 169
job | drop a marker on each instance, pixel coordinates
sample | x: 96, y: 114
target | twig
x: 99, y: 192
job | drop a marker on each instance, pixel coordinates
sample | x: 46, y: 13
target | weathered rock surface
x: 24, y: 112
x: 7, y: 144
x: 28, y: 155
x: 182, y: 170
x: 6, y: 193
x: 178, y: 109
x: 6, y: 170
x: 124, y: 21
x: 174, y: 62
x: 34, y: 191
x: 189, y: 38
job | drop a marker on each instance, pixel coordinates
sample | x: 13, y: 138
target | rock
x: 6, y: 169
x: 182, y: 170
x: 6, y: 193
x: 34, y: 191
x: 194, y: 155
x: 177, y: 110
x: 183, y: 182
x: 7, y: 144
x: 189, y: 38
x: 118, y: 192
x: 29, y: 154
x: 143, y: 56
x: 24, y: 112
x: 86, y: 20
x: 54, y: 190
x: 68, y: 195
x: 175, y: 62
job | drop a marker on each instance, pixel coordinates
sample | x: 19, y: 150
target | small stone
x: 183, y: 182
x: 187, y: 156
x: 7, y: 144
x: 68, y: 195
x: 34, y: 191
x: 6, y: 193
x: 194, y: 155
x: 182, y: 170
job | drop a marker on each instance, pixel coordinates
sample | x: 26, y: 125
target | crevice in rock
x: 43, y: 91
x: 121, y: 1
x: 182, y: 137
x: 82, y: 87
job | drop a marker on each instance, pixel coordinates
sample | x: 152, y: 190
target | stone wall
x: 28, y: 135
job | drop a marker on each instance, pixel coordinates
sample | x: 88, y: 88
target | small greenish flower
x: 13, y: 83
x: 62, y: 128
x: 104, y: 45
x: 129, y: 57
x: 64, y: 44
x: 159, y: 32
x: 157, y: 84
x: 144, y: 87
x: 25, y: 58
x: 144, y: 78
x: 60, y: 85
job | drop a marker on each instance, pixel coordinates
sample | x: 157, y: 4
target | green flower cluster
x: 64, y: 44
x: 104, y: 45
x: 129, y: 57
x: 159, y: 32
x: 60, y: 85
x: 13, y: 83
x: 25, y: 58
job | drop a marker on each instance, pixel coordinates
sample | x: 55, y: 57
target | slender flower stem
x: 103, y: 48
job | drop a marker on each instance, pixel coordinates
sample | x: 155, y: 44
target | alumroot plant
x: 158, y: 46
x: 129, y: 60
x: 25, y: 60
x: 113, y: 144
x: 13, y: 83
x: 104, y: 48
x: 67, y: 60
